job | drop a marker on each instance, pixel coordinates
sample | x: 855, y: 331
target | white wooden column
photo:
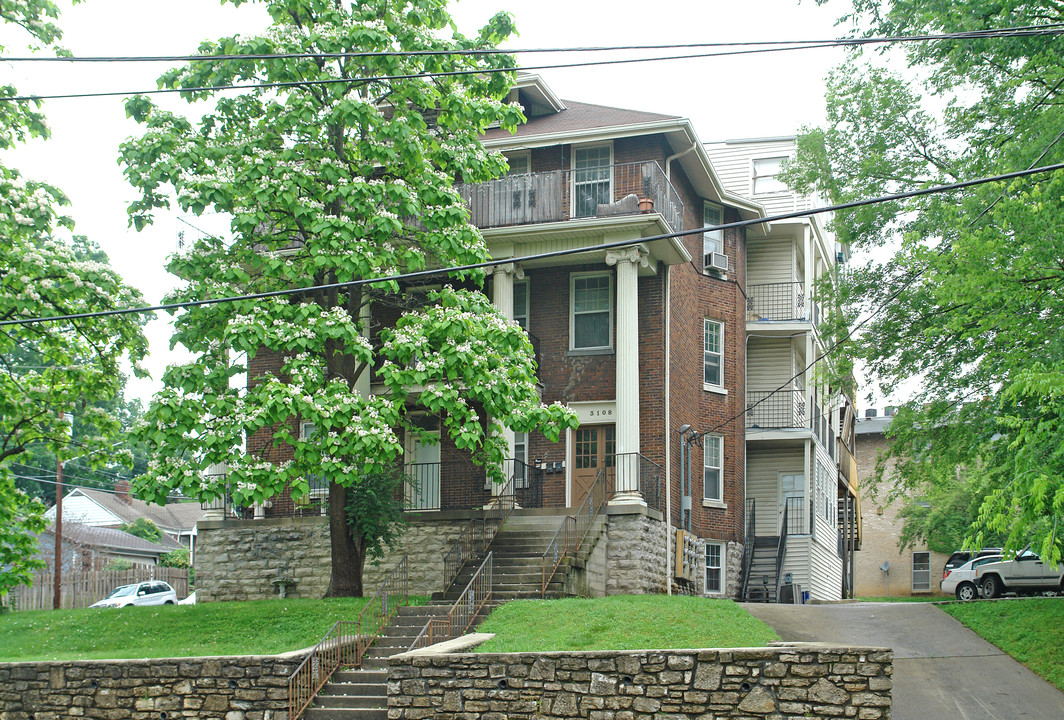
x: 503, y: 299
x: 627, y: 261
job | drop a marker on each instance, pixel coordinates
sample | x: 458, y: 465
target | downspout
x: 668, y: 431
x: 670, y: 158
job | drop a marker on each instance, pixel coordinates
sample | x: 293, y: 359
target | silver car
x: 960, y: 581
x: 153, y: 592
x: 1025, y: 574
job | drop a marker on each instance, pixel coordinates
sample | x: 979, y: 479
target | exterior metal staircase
x: 763, y: 578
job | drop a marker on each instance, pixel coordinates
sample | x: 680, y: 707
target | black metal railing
x: 794, y: 517
x: 748, y: 544
x: 781, y: 551
x: 775, y: 409
x: 313, y: 503
x: 776, y: 301
x: 527, y: 483
x: 627, y: 472
x: 626, y: 189
x: 463, y: 613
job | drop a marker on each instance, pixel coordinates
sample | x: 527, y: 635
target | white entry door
x: 423, y: 466
x: 792, y: 496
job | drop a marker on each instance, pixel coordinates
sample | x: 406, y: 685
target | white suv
x: 154, y: 592
x: 1024, y: 574
x: 960, y: 581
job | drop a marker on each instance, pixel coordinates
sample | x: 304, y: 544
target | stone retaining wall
x: 238, y: 560
x: 210, y: 688
x: 806, y: 681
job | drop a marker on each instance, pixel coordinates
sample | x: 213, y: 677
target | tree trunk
x: 348, y: 554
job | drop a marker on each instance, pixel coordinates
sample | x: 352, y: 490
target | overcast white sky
x: 731, y: 97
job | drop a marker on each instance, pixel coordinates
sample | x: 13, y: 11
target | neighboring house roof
x: 872, y: 426
x: 579, y: 116
x: 98, y: 507
x: 105, y: 538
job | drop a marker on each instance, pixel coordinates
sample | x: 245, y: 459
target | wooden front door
x: 594, y: 447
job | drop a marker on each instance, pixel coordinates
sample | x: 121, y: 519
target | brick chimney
x: 122, y: 491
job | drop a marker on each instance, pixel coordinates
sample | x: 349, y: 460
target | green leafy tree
x: 143, y: 528
x: 964, y: 289
x: 180, y: 558
x: 347, y: 180
x: 48, y: 367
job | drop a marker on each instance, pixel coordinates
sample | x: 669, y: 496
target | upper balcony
x: 783, y: 302
x: 545, y: 197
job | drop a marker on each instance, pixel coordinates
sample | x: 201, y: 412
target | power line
x: 1006, y: 32
x: 541, y: 256
x: 1052, y: 31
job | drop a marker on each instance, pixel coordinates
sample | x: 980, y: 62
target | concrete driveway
x: 941, y: 668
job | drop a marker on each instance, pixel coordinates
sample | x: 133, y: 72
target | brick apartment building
x: 652, y: 345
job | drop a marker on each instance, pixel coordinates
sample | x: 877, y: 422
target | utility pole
x: 57, y: 580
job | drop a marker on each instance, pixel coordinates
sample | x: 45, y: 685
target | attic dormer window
x: 766, y: 175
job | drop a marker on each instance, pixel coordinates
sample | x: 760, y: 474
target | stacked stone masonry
x: 239, y: 560
x: 776, y: 683
x: 218, y: 688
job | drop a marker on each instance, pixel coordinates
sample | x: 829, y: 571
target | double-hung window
x: 591, y: 179
x: 713, y: 473
x: 714, y: 567
x: 591, y: 311
x: 713, y: 354
x: 713, y: 240
x: 521, y: 303
x: 766, y: 175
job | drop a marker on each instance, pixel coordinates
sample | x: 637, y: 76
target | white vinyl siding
x: 733, y: 164
x: 769, y: 363
x: 763, y: 467
x: 772, y: 260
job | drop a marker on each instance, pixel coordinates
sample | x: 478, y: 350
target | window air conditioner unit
x: 716, y: 261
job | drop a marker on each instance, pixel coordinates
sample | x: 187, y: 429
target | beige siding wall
x: 769, y: 363
x: 734, y: 166
x: 772, y: 260
x: 763, y: 468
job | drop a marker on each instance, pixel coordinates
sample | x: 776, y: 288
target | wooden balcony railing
x: 626, y: 189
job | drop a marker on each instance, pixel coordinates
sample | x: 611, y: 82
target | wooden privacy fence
x: 81, y: 588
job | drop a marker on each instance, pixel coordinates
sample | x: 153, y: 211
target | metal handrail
x: 556, y: 551
x: 460, y: 617
x: 346, y: 641
x: 781, y: 553
x: 589, y: 509
x: 748, y: 547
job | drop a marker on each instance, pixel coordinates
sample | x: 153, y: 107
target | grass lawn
x: 261, y: 627
x: 1030, y: 630
x: 622, y: 622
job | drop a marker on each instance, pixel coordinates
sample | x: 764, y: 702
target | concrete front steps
x: 363, y: 694
x: 517, y: 565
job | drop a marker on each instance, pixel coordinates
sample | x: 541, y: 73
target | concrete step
x: 352, y: 701
x: 315, y: 713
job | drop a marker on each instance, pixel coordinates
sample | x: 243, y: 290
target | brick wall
x: 881, y: 527
x: 775, y: 682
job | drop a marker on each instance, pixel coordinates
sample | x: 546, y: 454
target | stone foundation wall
x: 238, y: 560
x: 793, y: 681
x: 218, y: 688
x: 635, y: 553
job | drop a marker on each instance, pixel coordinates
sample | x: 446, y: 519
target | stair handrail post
x: 781, y: 551
x: 337, y: 647
x: 748, y: 548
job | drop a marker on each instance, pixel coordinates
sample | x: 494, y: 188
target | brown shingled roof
x: 579, y: 116
x: 172, y: 517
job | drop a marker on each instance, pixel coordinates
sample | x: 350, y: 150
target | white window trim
x: 720, y: 209
x: 572, y: 311
x: 754, y: 176
x: 572, y: 172
x: 528, y: 301
x: 723, y: 567
x: 719, y: 388
x: 713, y: 501
x: 526, y: 154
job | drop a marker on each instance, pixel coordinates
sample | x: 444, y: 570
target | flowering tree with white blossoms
x: 50, y: 367
x: 342, y: 172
